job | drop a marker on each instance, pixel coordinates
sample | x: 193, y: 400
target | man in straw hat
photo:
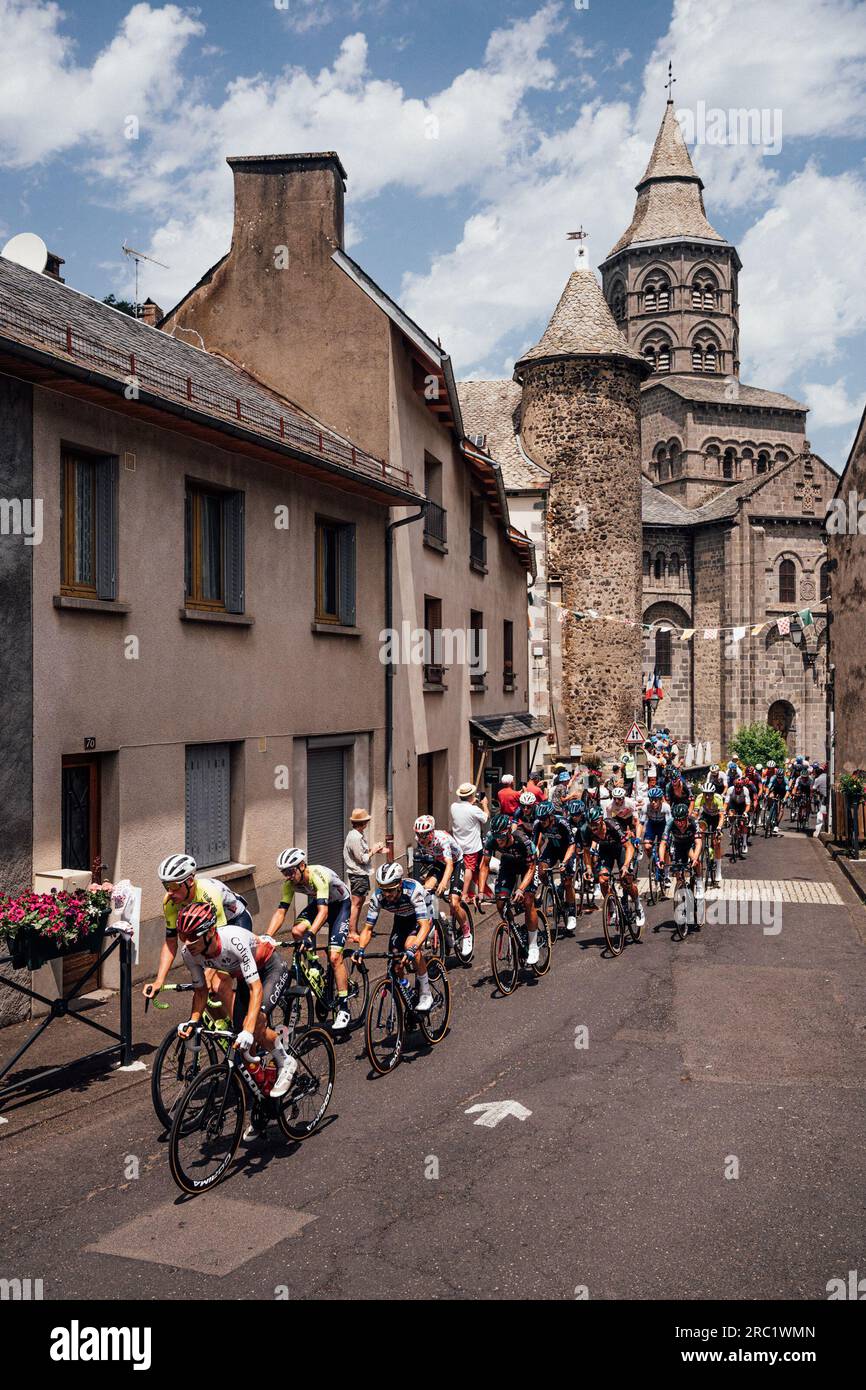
x: 358, y: 861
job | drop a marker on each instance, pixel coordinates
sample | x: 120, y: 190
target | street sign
x: 635, y: 734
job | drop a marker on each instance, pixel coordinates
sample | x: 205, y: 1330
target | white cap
x: 506, y: 778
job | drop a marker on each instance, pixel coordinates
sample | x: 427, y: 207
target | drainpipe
x: 389, y: 676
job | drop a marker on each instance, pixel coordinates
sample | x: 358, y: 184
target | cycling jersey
x: 325, y: 887
x: 657, y: 811
x: 682, y: 842
x: 553, y: 840
x: 737, y: 801
x: 239, y: 954
x: 227, y: 905
x: 709, y: 806
x: 520, y: 850
x: 440, y: 847
x: 777, y: 786
x: 410, y: 908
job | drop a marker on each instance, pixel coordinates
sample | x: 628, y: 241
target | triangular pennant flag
x: 759, y: 627
x: 784, y: 626
x: 686, y: 633
x: 710, y: 634
x: 806, y: 617
x: 738, y: 634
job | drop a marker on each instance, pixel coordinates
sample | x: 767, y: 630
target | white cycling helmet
x: 423, y: 826
x: 759, y: 767
x: 527, y: 798
x: 769, y: 765
x: 177, y: 868
x: 389, y: 875
x: 709, y: 788
x: 291, y: 859
x: 618, y: 793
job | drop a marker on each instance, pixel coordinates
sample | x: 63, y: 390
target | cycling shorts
x: 274, y: 975
x: 338, y: 921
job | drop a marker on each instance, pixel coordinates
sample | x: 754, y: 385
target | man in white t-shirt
x: 468, y: 813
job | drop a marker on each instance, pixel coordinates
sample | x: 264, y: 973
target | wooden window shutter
x: 106, y: 528
x: 233, y: 523
x: 347, y: 575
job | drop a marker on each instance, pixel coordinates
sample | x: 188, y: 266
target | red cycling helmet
x: 195, y: 921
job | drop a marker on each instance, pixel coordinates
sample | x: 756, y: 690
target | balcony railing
x: 509, y: 679
x: 434, y: 678
x: 477, y: 549
x: 435, y: 524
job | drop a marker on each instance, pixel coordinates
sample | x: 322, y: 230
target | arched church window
x: 646, y: 564
x: 659, y: 570
x: 649, y: 353
x: 763, y: 461
x: 674, y: 568
x: 705, y: 292
x: 728, y: 464
x: 617, y: 302
x: 710, y: 358
x: 663, y: 362
x: 787, y: 582
x: 657, y: 295
x: 663, y: 662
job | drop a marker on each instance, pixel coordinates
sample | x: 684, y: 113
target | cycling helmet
x: 526, y: 798
x: 738, y: 784
x: 545, y: 808
x: 424, y: 825
x: 759, y: 767
x: 618, y: 793
x: 575, y: 808
x: 177, y: 868
x: 291, y: 859
x: 593, y: 814
x: 709, y: 789
x: 681, y: 811
x: 195, y: 921
x: 655, y: 794
x: 501, y: 825
x: 771, y: 764
x: 389, y: 875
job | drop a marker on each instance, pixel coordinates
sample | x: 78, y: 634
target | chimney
x: 293, y: 200
x: 52, y: 267
x: 150, y: 313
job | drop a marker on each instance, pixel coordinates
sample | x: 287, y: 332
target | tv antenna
x: 137, y: 257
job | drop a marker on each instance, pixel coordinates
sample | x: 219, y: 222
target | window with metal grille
x: 335, y: 572
x: 208, y: 803
x: 214, y: 549
x: 89, y: 525
x: 663, y: 652
x: 787, y: 582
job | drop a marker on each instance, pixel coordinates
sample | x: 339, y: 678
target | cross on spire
x: 670, y: 82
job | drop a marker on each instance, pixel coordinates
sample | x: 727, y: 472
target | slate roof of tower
x: 581, y: 326
x: 669, y: 199
x: 716, y: 389
x: 492, y: 409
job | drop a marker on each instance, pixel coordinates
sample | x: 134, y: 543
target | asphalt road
x: 707, y: 1142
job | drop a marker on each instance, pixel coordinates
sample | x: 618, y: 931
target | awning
x: 500, y: 730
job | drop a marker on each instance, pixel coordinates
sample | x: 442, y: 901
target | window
x: 89, y: 526
x: 214, y: 549
x: 704, y: 293
x: 477, y: 538
x: 646, y: 564
x: 705, y: 356
x: 660, y: 566
x: 508, y: 674
x: 327, y: 805
x: 728, y: 464
x: 674, y: 568
x: 649, y: 353
x: 824, y: 590
x: 663, y: 363
x: 335, y: 572
x: 663, y: 652
x: 434, y: 673
x: 617, y: 303
x: 477, y: 650
x: 787, y: 582
x: 657, y: 296
x: 208, y: 803
x: 435, y: 517
x: 763, y: 461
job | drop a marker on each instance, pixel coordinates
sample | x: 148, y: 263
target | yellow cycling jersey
x: 327, y: 887
x: 709, y: 805
x: 207, y: 890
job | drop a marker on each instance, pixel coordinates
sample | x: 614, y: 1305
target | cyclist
x: 554, y: 846
x: 524, y: 816
x: 737, y: 805
x: 655, y: 819
x: 802, y: 790
x: 438, y: 865
x: 678, y: 789
x: 329, y: 901
x: 750, y: 777
x: 709, y: 808
x: 516, y: 877
x: 683, y: 840
x: 581, y: 816
x: 183, y: 885
x: 777, y: 791
x: 406, y: 900
x: 261, y: 975
x: 614, y: 844
x: 718, y: 778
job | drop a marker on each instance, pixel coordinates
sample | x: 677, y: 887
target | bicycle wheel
x: 653, y: 882
x: 629, y: 910
x: 177, y: 1063
x: 386, y: 1026
x: 434, y: 1024
x: 545, y: 946
x: 206, y: 1129
x: 359, y: 993
x: 504, y: 959
x: 302, y: 1109
x: 614, y: 931
x: 548, y: 907
x: 435, y: 942
x: 683, y: 910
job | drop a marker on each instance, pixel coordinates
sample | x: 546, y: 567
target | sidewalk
x: 853, y: 869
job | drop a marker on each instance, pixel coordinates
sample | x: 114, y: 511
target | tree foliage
x: 125, y: 306
x: 758, y: 743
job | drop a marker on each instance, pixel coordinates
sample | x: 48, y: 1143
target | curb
x: 840, y: 859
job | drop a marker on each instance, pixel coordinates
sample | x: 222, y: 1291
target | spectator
x: 536, y: 786
x: 507, y: 797
x: 358, y: 861
x: 468, y: 813
x: 629, y: 769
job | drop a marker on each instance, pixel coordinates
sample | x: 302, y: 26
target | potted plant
x: 38, y: 927
x: 852, y: 786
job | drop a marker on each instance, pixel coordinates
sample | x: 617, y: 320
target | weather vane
x: 670, y: 82
x: 580, y: 235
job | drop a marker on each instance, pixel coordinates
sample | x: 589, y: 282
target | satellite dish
x: 27, y: 249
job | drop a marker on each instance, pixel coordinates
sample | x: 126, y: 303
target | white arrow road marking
x: 495, y: 1110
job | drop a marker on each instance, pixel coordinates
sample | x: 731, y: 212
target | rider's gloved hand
x: 184, y: 1029
x: 359, y: 954
x: 309, y: 940
x: 410, y: 952
x: 244, y: 1040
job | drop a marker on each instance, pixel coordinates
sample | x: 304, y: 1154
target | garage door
x: 327, y: 811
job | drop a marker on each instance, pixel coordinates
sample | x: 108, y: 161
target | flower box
x: 38, y: 927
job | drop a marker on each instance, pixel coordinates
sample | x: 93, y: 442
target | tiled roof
x: 669, y: 198
x: 492, y: 409
x: 40, y: 312
x: 657, y: 509
x: 510, y: 728
x: 581, y: 326
x: 716, y: 389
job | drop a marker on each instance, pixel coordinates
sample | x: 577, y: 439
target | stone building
x: 732, y: 499
x: 846, y: 548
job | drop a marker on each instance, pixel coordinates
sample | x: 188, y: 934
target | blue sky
x: 475, y: 135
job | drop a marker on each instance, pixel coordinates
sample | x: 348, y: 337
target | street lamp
x: 652, y: 703
x: 801, y: 642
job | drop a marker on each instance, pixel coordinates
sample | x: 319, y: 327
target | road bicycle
x: 307, y: 969
x: 709, y: 862
x: 737, y: 830
x: 178, y: 1061
x: 619, y: 914
x: 802, y: 812
x: 208, y: 1120
x: 446, y: 934
x: 509, y: 946
x: 771, y: 817
x: 657, y: 882
x: 392, y: 1014
x: 686, y: 901
x: 553, y: 904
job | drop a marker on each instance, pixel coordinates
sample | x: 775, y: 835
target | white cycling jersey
x: 238, y: 949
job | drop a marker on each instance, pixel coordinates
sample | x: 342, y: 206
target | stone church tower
x: 580, y: 419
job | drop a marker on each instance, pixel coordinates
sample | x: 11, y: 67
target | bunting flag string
x: 735, y: 632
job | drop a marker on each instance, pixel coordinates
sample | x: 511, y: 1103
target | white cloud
x: 830, y: 405
x: 49, y: 104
